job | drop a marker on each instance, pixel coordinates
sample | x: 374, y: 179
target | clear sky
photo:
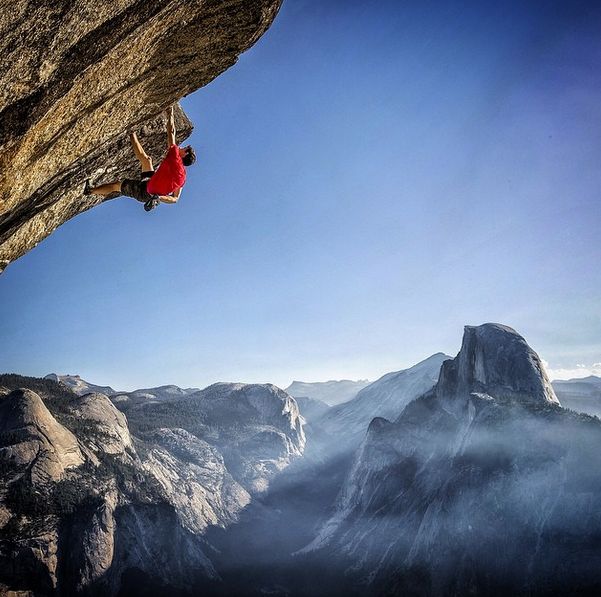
x: 372, y: 176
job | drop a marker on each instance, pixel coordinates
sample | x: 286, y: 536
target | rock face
x: 496, y: 360
x: 33, y: 440
x: 76, y: 75
x: 132, y: 507
x: 111, y: 432
x: 484, y: 485
x: 257, y: 427
x: 193, y: 474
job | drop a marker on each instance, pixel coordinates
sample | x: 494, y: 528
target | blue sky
x: 372, y: 176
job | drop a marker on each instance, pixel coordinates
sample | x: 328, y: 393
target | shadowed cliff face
x: 77, y: 74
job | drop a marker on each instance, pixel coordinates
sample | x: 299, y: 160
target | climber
x: 164, y: 185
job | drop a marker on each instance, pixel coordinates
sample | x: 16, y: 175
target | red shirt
x: 170, y: 175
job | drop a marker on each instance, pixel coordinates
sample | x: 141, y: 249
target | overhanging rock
x: 77, y: 74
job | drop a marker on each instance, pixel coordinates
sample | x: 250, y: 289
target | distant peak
x: 437, y: 356
x: 494, y: 359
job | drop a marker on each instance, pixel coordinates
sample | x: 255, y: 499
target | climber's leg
x: 144, y: 159
x: 104, y: 189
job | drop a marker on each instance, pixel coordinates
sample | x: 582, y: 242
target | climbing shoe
x: 151, y: 203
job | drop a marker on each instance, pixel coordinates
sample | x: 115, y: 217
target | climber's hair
x: 190, y: 156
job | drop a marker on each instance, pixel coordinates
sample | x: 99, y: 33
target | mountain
x: 126, y: 400
x: 257, y: 427
x: 163, y: 392
x: 478, y: 482
x: 80, y: 386
x: 330, y: 392
x: 346, y: 424
x: 484, y: 485
x: 582, y: 395
x: 134, y: 496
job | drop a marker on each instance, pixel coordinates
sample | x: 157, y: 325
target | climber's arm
x: 171, y: 198
x: 170, y: 127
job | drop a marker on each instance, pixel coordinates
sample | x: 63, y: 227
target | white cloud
x: 577, y: 371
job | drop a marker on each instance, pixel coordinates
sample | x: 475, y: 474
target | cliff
x: 495, y: 360
x: 77, y: 74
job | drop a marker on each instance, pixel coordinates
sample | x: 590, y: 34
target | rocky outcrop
x: 193, y: 474
x: 271, y: 437
x: 256, y: 427
x: 484, y: 485
x: 96, y: 542
x: 111, y: 433
x: 76, y: 75
x: 495, y: 360
x: 32, y: 439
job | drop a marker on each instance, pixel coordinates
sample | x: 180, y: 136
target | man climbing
x: 164, y: 185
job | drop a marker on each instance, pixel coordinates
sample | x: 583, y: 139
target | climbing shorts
x: 137, y: 188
